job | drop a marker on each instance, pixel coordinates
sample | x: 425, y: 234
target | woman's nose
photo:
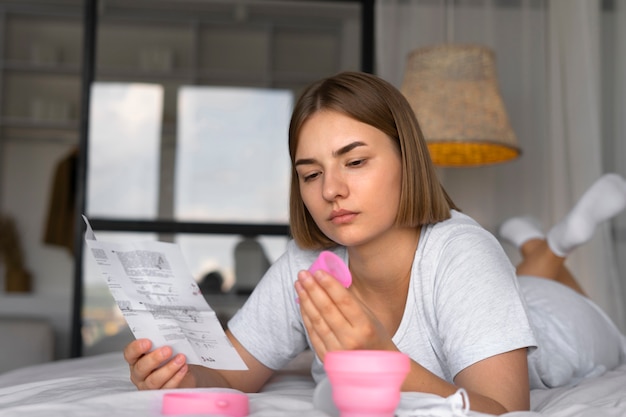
x: 334, y: 186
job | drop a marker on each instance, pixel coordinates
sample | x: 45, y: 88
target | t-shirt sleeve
x: 269, y: 324
x: 479, y: 311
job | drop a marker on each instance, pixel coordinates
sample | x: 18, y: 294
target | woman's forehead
x: 329, y: 124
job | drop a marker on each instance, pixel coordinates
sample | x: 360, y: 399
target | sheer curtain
x: 576, y: 133
x: 547, y: 56
x: 614, y: 112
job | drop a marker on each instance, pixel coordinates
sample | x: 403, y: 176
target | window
x: 214, y: 188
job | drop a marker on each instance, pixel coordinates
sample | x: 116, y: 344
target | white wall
x: 27, y: 170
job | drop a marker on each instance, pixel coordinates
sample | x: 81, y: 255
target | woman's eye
x: 310, y: 177
x: 356, y: 162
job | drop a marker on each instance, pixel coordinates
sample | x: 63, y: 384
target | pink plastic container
x: 366, y: 383
x: 221, y: 402
x: 334, y: 265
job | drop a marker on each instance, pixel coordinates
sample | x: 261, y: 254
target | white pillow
x: 575, y: 338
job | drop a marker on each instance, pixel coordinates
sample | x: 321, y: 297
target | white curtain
x: 547, y: 57
x: 576, y: 138
x: 614, y: 112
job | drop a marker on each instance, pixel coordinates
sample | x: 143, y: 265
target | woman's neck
x: 381, y: 276
x: 384, y: 266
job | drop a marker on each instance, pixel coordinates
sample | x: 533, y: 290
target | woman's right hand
x: 157, y: 369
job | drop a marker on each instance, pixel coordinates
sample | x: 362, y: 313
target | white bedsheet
x: 99, y: 386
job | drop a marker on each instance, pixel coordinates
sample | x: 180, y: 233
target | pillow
x: 575, y: 338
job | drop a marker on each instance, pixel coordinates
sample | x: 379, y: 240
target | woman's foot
x: 604, y: 199
x: 519, y: 230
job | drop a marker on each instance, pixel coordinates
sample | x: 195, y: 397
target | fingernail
x: 165, y: 352
x: 302, y: 276
x: 179, y: 359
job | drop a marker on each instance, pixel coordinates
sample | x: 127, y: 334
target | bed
x: 99, y: 386
x: 582, y: 365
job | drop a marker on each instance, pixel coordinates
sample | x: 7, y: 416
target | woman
x: 427, y: 280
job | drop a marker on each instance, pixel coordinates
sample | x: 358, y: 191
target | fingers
x: 324, y: 290
x: 335, y: 319
x: 170, y: 375
x: 156, y: 369
x: 322, y: 340
x: 327, y: 310
x: 135, y: 349
x: 328, y: 296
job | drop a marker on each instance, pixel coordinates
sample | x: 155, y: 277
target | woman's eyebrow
x: 345, y: 149
x: 304, y: 161
x: 341, y: 151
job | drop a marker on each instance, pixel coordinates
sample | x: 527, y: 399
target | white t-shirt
x: 463, y: 304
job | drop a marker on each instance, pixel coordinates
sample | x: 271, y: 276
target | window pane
x: 124, y: 147
x: 232, y: 163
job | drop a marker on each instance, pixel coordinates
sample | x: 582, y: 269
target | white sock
x: 604, y: 199
x: 518, y: 230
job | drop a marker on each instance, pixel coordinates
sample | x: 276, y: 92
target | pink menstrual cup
x: 366, y: 383
x: 334, y: 265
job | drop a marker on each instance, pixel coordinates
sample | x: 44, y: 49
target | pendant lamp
x: 453, y: 90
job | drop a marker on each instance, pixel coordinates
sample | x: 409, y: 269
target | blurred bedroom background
x: 172, y: 115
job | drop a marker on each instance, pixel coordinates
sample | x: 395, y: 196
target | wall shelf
x: 28, y: 123
x: 39, y: 69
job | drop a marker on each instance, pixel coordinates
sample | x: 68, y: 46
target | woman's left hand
x: 335, y: 319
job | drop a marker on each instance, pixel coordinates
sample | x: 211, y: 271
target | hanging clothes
x: 59, y: 229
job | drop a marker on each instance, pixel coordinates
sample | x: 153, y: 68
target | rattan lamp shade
x: 454, y: 92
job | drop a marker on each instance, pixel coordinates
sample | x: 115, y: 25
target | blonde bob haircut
x: 371, y: 100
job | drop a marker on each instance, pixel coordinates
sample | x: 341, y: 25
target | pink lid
x: 334, y: 265
x: 223, y: 402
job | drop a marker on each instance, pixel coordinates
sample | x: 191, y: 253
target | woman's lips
x: 342, y: 216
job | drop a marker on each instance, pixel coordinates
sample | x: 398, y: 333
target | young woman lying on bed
x: 427, y: 279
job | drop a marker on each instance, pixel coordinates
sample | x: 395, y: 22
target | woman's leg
x: 604, y: 199
x: 537, y: 258
x: 545, y: 257
x: 540, y: 261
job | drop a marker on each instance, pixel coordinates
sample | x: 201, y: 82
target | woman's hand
x: 334, y: 319
x: 157, y: 369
